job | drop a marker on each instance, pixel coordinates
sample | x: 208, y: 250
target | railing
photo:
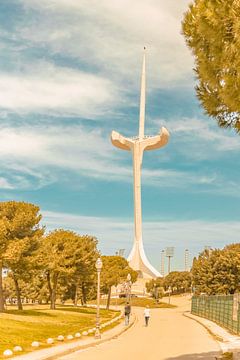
x: 222, y: 309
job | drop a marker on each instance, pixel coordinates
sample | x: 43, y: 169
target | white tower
x: 137, y: 145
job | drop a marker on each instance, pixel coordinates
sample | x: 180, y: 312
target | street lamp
x: 169, y: 253
x: 129, y: 284
x: 98, y: 267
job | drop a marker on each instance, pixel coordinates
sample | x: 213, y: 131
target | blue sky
x: 69, y: 75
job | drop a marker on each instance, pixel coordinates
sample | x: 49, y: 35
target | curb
x: 92, y: 344
x: 59, y: 353
x: 225, y: 345
x: 216, y: 337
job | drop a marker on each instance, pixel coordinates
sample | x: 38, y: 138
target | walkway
x: 170, y: 336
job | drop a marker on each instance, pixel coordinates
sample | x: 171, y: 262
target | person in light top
x: 146, y: 315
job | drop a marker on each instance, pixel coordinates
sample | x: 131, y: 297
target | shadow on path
x: 213, y: 355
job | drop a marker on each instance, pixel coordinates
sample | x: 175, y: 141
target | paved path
x: 169, y: 336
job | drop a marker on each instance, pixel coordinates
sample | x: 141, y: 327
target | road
x: 169, y: 336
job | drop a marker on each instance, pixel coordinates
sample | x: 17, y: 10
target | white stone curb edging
x: 54, y: 352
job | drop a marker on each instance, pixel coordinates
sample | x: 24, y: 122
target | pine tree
x: 114, y: 271
x: 20, y: 222
x: 212, y: 31
x: 217, y: 272
x: 67, y: 257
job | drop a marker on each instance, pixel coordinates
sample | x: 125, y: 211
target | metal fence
x: 222, y: 309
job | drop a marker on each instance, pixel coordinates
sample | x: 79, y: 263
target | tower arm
x: 158, y: 141
x: 120, y: 141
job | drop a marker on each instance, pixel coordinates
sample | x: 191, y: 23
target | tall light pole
x: 169, y: 253
x: 99, y: 268
x: 162, y: 262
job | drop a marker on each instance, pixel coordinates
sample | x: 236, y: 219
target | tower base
x: 139, y: 262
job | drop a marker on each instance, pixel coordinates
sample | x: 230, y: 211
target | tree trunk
x: 18, y: 292
x: 49, y: 286
x: 84, y: 297
x: 54, y: 292
x: 53, y: 300
x: 109, y: 298
x: 76, y: 295
x: 2, y: 308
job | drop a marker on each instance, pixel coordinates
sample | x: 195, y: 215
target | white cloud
x: 56, y: 90
x: 111, y: 34
x: 114, y: 233
x: 200, y: 138
x: 39, y: 152
x: 4, y: 184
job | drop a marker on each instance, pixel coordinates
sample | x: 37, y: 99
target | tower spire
x: 137, y: 145
x: 142, y: 97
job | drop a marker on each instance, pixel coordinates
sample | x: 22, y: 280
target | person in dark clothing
x: 127, y: 312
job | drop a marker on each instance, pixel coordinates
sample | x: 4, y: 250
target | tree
x: 22, y: 238
x: 155, y: 287
x: 3, y: 244
x: 67, y: 256
x: 212, y: 31
x: 83, y: 280
x: 179, y: 281
x: 217, y: 271
x: 114, y: 271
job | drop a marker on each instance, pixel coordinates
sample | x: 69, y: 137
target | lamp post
x: 98, y: 267
x: 186, y: 260
x: 129, y: 284
x: 169, y: 253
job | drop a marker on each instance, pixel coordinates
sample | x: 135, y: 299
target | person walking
x: 127, y: 312
x: 146, y: 315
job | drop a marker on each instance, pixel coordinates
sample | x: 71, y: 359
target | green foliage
x: 114, y: 271
x: 227, y: 356
x: 33, y: 289
x: 67, y: 256
x: 179, y: 281
x: 217, y: 271
x: 21, y: 235
x: 155, y: 287
x: 212, y: 31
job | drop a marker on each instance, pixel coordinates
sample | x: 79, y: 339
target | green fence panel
x: 221, y: 309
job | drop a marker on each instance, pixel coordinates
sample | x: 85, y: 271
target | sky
x: 69, y: 75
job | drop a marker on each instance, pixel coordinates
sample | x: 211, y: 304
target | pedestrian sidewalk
x: 226, y: 340
x: 56, y: 351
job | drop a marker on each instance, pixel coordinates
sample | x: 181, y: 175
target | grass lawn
x: 37, y: 323
x: 227, y: 356
x: 138, y: 301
